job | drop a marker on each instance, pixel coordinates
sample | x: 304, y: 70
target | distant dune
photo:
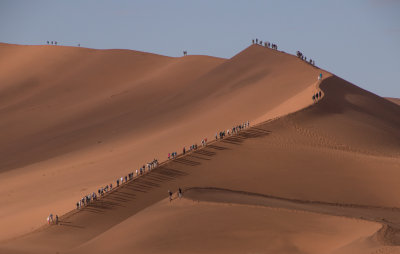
x: 394, y: 100
x: 75, y: 119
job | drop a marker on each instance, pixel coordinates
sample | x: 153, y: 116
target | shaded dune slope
x: 357, y: 118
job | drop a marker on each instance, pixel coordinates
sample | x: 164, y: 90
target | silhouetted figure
x: 253, y: 41
x: 170, y: 195
x: 48, y: 42
x: 256, y: 41
x: 180, y: 192
x: 55, y: 43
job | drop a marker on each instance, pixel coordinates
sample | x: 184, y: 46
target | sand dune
x: 394, y: 100
x: 79, y: 118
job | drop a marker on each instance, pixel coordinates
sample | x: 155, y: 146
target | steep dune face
x: 74, y: 119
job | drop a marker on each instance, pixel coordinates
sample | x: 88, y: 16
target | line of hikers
x: 87, y: 199
x: 235, y: 129
x: 52, y: 43
x: 172, y: 155
x: 191, y: 148
x: 266, y: 44
x: 304, y: 58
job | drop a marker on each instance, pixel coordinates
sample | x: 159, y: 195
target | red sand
x: 74, y: 119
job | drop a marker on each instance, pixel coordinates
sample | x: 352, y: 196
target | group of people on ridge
x: 304, y: 58
x: 266, y: 44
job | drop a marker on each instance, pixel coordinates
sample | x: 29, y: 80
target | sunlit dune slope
x: 185, y: 226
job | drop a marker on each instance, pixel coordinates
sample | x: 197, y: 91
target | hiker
x: 170, y: 195
x: 117, y: 182
x: 180, y: 192
x: 56, y: 219
x: 184, y: 150
x: 169, y: 156
x: 320, y: 94
x: 320, y: 76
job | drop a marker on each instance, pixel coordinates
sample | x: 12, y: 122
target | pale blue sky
x: 357, y: 40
